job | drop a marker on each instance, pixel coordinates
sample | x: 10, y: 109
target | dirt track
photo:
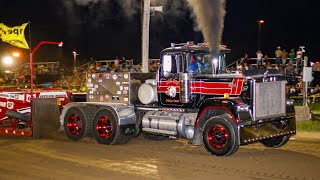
x: 59, y: 158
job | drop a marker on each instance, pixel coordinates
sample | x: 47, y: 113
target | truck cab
x: 190, y: 73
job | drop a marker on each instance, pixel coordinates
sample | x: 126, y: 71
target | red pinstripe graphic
x: 234, y: 82
x: 215, y: 88
x: 239, y: 86
x: 215, y: 91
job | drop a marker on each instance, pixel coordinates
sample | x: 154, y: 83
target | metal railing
x: 272, y: 60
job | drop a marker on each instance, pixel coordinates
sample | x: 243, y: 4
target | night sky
x: 108, y: 29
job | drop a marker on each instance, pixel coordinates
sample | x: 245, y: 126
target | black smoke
x: 209, y: 16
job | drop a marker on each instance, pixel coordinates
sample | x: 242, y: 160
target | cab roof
x: 190, y: 46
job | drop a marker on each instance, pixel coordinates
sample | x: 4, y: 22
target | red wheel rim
x: 218, y: 137
x: 74, y: 124
x: 104, y: 127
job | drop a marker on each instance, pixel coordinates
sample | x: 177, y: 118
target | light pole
x: 145, y: 36
x: 145, y: 32
x: 260, y: 22
x: 74, y: 52
x: 31, y: 62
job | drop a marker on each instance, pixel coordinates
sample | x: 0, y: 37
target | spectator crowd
x: 289, y: 62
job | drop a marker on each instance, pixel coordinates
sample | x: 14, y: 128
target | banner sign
x: 14, y: 35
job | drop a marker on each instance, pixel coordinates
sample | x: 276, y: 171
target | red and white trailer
x: 15, y: 108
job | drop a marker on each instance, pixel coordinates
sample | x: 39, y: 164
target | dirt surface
x: 59, y: 158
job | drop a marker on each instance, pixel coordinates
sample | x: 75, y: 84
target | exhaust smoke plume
x: 173, y: 7
x: 129, y: 7
x: 210, y: 20
x: 86, y: 2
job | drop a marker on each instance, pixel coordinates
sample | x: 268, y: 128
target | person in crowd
x: 299, y: 57
x: 260, y: 65
x: 289, y: 68
x: 116, y: 61
x: 278, y: 54
x: 269, y: 65
x: 98, y: 67
x: 316, y: 90
x: 281, y: 67
x: 292, y: 90
x: 284, y: 57
x: 292, y: 55
x: 123, y: 60
x: 259, y: 56
x: 265, y: 60
x: 92, y: 68
x: 245, y: 60
x: 239, y: 67
x: 123, y: 68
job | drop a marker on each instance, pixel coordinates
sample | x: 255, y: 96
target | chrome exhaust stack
x: 215, y: 63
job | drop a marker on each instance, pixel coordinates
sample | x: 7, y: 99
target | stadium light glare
x: 16, y: 54
x: 8, y: 60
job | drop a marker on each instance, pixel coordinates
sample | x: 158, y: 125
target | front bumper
x: 257, y: 131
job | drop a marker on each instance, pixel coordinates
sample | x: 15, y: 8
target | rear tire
x: 276, y: 142
x: 17, y: 115
x: 220, y: 136
x: 106, y: 129
x: 78, y: 123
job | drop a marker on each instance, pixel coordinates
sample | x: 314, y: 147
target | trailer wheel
x: 106, y: 129
x: 78, y: 123
x: 276, y: 142
x: 17, y: 115
x: 220, y: 137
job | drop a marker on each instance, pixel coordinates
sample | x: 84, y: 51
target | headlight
x: 290, y: 102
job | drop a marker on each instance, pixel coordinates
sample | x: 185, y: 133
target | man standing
x: 278, y: 54
x: 284, y: 57
x: 292, y: 55
x: 259, y: 57
x: 299, y: 57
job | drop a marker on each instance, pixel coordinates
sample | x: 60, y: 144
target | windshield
x: 203, y: 62
x: 197, y: 62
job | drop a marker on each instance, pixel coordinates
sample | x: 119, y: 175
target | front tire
x: 220, y: 136
x: 276, y: 142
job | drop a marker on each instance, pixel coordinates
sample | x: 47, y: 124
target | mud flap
x: 45, y: 117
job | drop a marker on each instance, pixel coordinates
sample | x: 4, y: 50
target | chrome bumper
x: 257, y: 131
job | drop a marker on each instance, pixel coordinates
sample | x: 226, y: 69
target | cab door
x: 173, y: 64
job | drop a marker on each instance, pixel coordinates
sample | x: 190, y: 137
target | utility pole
x: 260, y: 22
x: 145, y: 35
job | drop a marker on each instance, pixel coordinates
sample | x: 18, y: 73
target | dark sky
x: 105, y: 30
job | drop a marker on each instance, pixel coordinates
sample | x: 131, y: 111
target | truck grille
x: 269, y: 99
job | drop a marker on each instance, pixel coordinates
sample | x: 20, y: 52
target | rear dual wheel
x: 78, y: 123
x: 106, y: 129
